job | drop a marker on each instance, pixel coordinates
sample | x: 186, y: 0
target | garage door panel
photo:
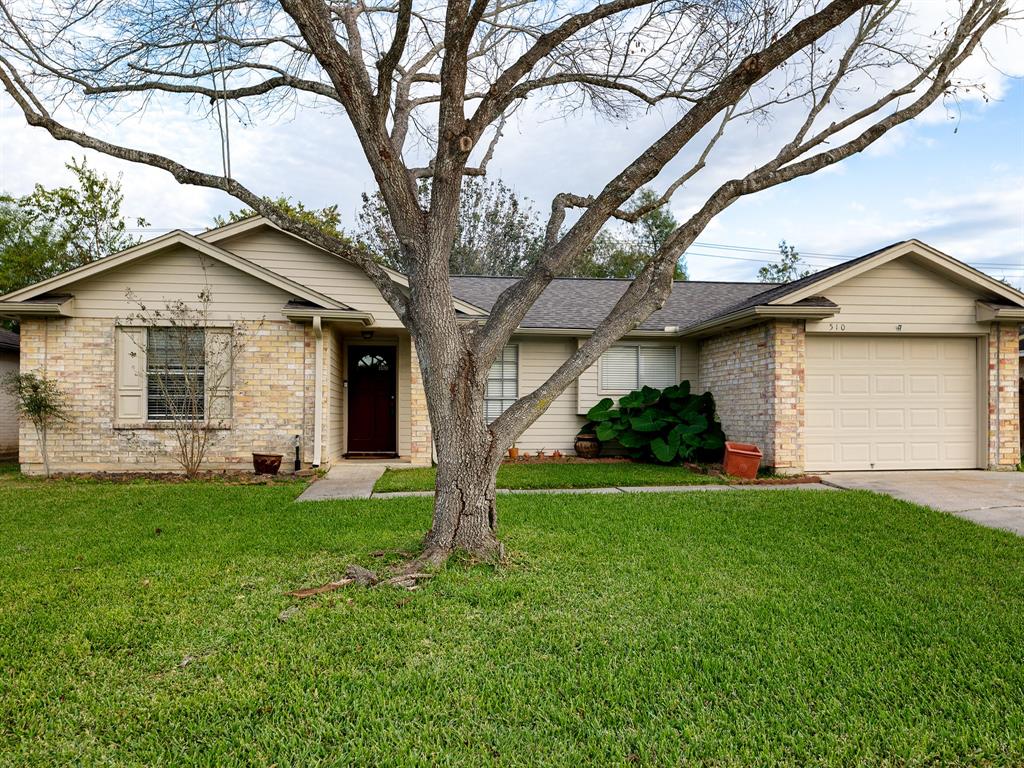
x: 890, y: 452
x: 889, y: 385
x: 924, y: 385
x: 891, y: 403
x: 854, y: 419
x: 854, y: 384
x: 954, y: 418
x: 854, y: 349
x: 924, y: 417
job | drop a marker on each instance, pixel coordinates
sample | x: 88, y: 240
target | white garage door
x: 891, y: 403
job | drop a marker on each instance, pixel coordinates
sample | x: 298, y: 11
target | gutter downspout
x: 318, y: 391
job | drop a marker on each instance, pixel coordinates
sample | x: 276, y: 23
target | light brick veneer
x: 757, y: 377
x: 421, y: 435
x: 1003, y: 397
x: 270, y: 399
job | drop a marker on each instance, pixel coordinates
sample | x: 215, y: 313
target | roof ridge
x: 621, y: 280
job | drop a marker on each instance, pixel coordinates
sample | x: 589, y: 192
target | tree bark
x: 465, y: 516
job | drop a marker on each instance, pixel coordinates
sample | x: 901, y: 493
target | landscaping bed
x: 139, y: 626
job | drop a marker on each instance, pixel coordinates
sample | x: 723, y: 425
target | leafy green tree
x: 326, y: 219
x: 498, y: 233
x: 624, y: 253
x: 42, y: 402
x: 788, y: 268
x: 50, y: 231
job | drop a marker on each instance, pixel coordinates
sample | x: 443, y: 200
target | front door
x: 371, y: 400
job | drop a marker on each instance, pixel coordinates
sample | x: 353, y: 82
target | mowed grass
x: 567, y: 475
x: 138, y: 626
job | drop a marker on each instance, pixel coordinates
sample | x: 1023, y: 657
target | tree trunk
x: 41, y: 434
x: 465, y: 517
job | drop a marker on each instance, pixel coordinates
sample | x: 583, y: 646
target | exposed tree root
x: 403, y: 575
x: 328, y: 587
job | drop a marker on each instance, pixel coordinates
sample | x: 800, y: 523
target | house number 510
x: 837, y: 326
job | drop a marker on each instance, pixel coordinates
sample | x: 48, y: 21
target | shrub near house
x: 668, y: 425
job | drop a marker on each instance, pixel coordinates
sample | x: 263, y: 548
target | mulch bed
x: 227, y: 476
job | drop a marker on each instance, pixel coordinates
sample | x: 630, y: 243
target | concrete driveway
x: 995, y: 499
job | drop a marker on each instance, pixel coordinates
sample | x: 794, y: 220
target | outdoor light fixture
x: 367, y: 334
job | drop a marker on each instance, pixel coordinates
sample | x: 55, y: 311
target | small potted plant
x: 513, y: 453
x: 540, y: 453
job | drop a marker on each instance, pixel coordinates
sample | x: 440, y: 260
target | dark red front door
x: 371, y: 400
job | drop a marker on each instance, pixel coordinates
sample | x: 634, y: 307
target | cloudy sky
x: 954, y: 178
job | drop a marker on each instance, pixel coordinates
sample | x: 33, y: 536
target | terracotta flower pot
x: 266, y: 463
x: 741, y: 460
x: 513, y: 453
x: 588, y: 446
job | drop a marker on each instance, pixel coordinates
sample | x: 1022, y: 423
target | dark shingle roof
x: 585, y: 302
x: 9, y: 340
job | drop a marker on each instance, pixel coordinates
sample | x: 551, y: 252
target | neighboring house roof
x: 582, y: 303
x: 150, y: 247
x: 9, y: 341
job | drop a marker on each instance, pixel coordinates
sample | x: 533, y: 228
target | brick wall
x: 421, y: 436
x: 270, y: 399
x: 757, y: 377
x: 1003, y: 399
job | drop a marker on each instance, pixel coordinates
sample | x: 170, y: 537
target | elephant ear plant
x: 668, y: 425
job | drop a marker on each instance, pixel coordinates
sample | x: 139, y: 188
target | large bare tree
x: 428, y: 88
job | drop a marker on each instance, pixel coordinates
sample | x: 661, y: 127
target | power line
x: 810, y: 256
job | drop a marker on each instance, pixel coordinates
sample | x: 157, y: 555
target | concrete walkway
x: 994, y: 499
x: 345, y: 481
x: 631, y: 489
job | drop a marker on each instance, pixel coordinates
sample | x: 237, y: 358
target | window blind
x: 502, y: 383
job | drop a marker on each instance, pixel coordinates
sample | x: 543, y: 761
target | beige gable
x: 178, y: 273
x: 308, y: 265
x: 900, y: 296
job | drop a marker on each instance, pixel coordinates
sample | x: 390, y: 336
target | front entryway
x: 372, y: 422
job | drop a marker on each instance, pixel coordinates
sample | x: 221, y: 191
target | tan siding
x: 900, y: 293
x: 313, y: 268
x: 178, y: 274
x: 8, y: 409
x: 335, y: 414
x: 557, y: 428
x: 404, y: 398
x: 589, y: 392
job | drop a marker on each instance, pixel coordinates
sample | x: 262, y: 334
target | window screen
x: 175, y: 373
x: 502, y: 383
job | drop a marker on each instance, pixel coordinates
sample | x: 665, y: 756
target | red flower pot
x: 741, y: 460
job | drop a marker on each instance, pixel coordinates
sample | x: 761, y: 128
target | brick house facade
x: 903, y: 358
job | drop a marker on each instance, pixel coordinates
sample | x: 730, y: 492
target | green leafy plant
x: 665, y: 425
x: 42, y: 402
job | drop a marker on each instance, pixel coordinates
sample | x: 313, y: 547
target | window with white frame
x: 502, y: 383
x: 626, y: 367
x: 175, y: 373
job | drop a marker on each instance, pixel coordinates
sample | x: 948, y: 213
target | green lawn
x: 138, y: 626
x: 599, y: 475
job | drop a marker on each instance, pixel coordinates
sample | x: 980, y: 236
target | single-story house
x: 8, y: 409
x: 902, y: 358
